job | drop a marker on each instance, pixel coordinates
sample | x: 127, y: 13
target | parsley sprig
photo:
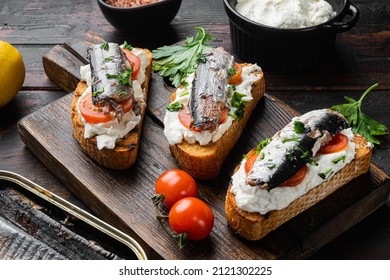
x: 360, y: 122
x: 176, y: 61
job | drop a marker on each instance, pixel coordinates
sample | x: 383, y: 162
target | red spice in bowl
x: 129, y: 3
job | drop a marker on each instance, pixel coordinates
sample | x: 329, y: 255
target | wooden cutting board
x: 123, y: 198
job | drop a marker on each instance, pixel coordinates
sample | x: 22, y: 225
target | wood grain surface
x: 360, y: 59
x: 123, y: 197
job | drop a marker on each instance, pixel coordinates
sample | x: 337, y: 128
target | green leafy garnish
x: 238, y: 103
x: 262, y: 144
x: 326, y: 174
x: 289, y: 139
x: 337, y: 160
x: 177, y: 61
x: 175, y: 107
x: 105, y: 46
x: 299, y: 127
x: 124, y: 78
x: 106, y: 59
x: 127, y: 46
x: 360, y: 122
x: 231, y: 71
x: 96, y: 93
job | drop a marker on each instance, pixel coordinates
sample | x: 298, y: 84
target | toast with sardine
x: 209, y: 111
x: 109, y: 103
x: 310, y: 158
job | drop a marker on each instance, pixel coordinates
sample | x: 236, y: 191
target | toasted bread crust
x: 205, y: 162
x: 124, y: 154
x: 254, y: 226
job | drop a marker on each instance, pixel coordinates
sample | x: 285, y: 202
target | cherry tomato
x: 95, y: 114
x: 236, y: 78
x: 174, y: 185
x: 296, y: 179
x: 185, y: 117
x: 251, y: 158
x: 338, y: 143
x: 192, y: 216
x: 135, y: 62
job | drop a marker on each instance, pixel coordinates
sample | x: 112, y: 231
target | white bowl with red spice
x: 135, y: 16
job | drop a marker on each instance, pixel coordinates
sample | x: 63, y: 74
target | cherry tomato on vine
x: 193, y: 217
x: 173, y: 185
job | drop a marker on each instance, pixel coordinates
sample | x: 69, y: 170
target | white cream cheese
x: 286, y: 13
x: 108, y: 132
x: 175, y: 132
x: 255, y: 199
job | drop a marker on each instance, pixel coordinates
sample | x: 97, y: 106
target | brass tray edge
x: 75, y: 211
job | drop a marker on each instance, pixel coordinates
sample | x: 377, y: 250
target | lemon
x: 12, y: 72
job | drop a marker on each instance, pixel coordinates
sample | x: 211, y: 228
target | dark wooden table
x: 361, y: 58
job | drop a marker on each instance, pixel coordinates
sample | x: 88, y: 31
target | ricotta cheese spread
x: 288, y: 14
x: 108, y: 132
x: 255, y: 199
x: 175, y: 132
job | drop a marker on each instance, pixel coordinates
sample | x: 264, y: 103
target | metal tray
x: 37, y: 224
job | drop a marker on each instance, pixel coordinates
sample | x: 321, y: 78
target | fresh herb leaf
x: 177, y: 61
x: 231, y: 71
x: 127, y: 46
x: 299, y: 127
x: 238, y: 103
x: 337, y: 160
x: 99, y: 91
x: 201, y: 58
x: 313, y: 162
x: 175, y: 107
x: 105, y: 46
x: 106, y: 59
x: 124, y: 78
x: 360, y: 122
x: 184, y: 94
x: 289, y: 139
x: 262, y: 144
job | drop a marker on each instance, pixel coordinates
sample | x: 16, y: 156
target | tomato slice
x: 296, y: 179
x: 236, y: 78
x: 251, y: 158
x: 338, y: 143
x: 94, y: 114
x: 185, y: 117
x: 135, y: 62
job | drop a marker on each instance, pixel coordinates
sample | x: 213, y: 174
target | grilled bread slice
x: 205, y: 161
x: 254, y: 226
x: 124, y: 154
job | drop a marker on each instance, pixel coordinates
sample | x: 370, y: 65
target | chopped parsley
x: 105, y: 46
x: 175, y: 107
x: 99, y: 91
x: 124, y: 78
x: 326, y: 174
x: 337, y: 160
x: 186, y: 84
x: 261, y: 146
x: 313, y: 162
x: 107, y: 59
x: 231, y: 71
x: 299, y: 127
x: 288, y: 139
x: 238, y: 103
x: 127, y: 46
x: 201, y: 58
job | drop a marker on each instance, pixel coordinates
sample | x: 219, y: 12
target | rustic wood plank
x: 127, y: 205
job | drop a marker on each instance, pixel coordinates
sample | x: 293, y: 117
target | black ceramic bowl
x: 148, y: 17
x: 289, y: 50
